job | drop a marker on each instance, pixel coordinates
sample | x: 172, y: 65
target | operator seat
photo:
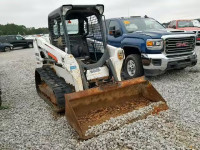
x: 79, y: 48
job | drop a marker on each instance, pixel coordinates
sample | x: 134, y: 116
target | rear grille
x: 179, y: 45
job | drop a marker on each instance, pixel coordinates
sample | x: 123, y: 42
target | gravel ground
x: 28, y: 122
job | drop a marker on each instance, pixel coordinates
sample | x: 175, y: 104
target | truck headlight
x: 154, y: 44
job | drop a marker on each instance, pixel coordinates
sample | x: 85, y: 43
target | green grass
x: 4, y: 107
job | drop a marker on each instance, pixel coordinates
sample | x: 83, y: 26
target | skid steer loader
x: 80, y: 73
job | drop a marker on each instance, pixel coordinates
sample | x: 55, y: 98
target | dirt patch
x: 102, y: 114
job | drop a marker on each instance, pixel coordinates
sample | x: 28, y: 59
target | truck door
x: 114, y: 33
x: 20, y: 41
x: 12, y: 40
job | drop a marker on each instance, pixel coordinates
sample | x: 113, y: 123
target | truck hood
x: 157, y: 34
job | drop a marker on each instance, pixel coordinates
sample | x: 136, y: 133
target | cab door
x: 21, y: 41
x: 114, y: 33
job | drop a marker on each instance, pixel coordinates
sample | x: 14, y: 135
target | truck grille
x: 179, y: 45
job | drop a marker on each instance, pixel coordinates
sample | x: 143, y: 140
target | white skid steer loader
x: 79, y: 73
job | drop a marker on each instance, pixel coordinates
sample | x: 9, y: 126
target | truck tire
x: 133, y: 67
x: 7, y: 49
x: 30, y: 45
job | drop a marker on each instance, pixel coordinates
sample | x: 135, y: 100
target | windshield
x: 188, y: 23
x: 141, y: 24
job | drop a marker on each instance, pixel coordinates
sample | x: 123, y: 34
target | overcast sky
x: 33, y: 13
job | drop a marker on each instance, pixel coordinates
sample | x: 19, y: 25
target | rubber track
x: 57, y: 84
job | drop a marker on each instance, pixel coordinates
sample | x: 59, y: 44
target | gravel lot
x: 28, y: 122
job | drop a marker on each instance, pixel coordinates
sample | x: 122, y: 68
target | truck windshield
x: 141, y: 24
x: 188, y: 23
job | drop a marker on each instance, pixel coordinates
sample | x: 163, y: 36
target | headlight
x: 154, y: 44
x: 120, y: 54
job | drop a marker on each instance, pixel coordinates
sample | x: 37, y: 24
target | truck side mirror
x: 114, y: 32
x: 117, y: 33
x: 111, y: 31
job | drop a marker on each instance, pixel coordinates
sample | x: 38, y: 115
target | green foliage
x: 13, y: 29
x: 4, y: 107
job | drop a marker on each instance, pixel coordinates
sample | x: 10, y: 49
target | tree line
x: 13, y: 29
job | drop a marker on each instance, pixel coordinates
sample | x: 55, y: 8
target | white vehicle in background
x: 46, y: 37
x: 196, y: 23
x: 30, y: 37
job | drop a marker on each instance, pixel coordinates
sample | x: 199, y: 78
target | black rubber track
x: 56, y: 83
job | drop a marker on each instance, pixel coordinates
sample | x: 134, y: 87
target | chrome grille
x: 179, y: 45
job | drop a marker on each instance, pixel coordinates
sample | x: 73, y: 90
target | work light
x: 66, y: 9
x: 100, y: 8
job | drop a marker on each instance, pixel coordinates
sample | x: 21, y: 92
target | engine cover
x: 97, y: 73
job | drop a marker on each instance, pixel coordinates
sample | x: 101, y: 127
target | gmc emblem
x: 183, y: 44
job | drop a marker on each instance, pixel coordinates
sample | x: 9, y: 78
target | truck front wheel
x: 30, y: 45
x: 133, y: 67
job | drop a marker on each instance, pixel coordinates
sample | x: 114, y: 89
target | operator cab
x: 79, y: 31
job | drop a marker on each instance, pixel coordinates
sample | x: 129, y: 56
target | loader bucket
x: 89, y: 108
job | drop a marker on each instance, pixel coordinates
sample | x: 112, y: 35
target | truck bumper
x: 155, y: 64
